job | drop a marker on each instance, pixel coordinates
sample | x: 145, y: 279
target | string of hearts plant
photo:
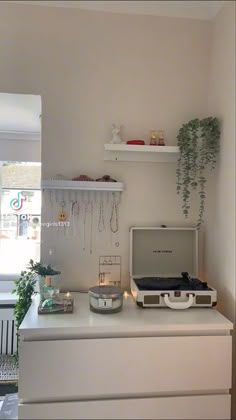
x: 198, y: 142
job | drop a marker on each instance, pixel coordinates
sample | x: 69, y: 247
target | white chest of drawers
x: 139, y: 363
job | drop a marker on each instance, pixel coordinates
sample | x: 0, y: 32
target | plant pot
x: 47, y: 281
x: 41, y: 282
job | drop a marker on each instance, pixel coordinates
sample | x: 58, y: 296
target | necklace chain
x: 101, y: 222
x: 85, y: 217
x: 91, y: 229
x: 114, y: 224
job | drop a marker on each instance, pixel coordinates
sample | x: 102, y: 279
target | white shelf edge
x: 140, y: 153
x: 140, y: 148
x: 48, y: 184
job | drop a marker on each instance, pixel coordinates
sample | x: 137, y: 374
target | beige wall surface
x: 220, y: 220
x: 93, y: 69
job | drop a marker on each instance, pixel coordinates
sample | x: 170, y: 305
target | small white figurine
x: 116, y: 139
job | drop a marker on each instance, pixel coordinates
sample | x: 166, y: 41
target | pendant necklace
x: 85, y: 217
x: 91, y: 228
x: 101, y: 223
x: 62, y: 216
x: 73, y: 216
x: 78, y: 214
x: 114, y: 224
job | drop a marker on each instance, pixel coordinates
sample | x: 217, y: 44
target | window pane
x: 20, y: 217
x: 20, y: 175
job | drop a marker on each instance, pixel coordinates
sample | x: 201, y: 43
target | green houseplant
x: 198, y: 142
x: 25, y: 287
x: 42, y: 271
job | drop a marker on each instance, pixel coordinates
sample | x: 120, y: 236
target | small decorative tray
x: 61, y: 305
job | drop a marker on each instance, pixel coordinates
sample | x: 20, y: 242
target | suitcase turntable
x: 158, y: 257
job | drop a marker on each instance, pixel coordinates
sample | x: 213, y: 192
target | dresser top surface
x: 131, y: 321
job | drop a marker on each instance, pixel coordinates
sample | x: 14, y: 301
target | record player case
x: 164, y: 269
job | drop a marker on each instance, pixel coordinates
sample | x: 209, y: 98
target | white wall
x: 93, y: 69
x: 20, y: 127
x: 20, y: 150
x: 220, y: 220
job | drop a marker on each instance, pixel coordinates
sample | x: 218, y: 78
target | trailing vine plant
x: 198, y: 142
x: 25, y: 289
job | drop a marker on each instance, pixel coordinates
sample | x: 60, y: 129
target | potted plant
x: 198, y: 142
x: 44, y: 273
x: 25, y: 288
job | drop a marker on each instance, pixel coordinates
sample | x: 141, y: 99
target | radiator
x: 8, y: 336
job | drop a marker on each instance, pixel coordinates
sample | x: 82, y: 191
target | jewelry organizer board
x: 81, y: 226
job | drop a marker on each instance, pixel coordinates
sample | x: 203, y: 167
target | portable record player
x: 164, y: 269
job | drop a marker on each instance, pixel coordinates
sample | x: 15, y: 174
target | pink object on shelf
x: 136, y: 142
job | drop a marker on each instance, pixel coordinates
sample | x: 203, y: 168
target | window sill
x: 7, y: 299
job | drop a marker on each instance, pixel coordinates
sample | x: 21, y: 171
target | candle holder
x: 63, y: 303
x: 161, y: 138
x: 153, y: 138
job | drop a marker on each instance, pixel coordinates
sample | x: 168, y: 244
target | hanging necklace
x: 78, y: 217
x: 91, y: 229
x: 85, y: 217
x: 88, y: 204
x: 114, y: 224
x: 101, y: 223
x: 73, y: 216
x: 51, y: 205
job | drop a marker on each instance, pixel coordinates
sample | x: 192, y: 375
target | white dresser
x: 136, y: 364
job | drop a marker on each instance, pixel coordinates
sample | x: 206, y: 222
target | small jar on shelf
x: 153, y: 138
x: 161, y: 138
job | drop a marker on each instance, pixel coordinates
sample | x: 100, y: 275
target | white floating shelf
x: 48, y: 184
x: 140, y: 153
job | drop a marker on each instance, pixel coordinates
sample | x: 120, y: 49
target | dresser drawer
x: 119, y: 367
x: 192, y: 407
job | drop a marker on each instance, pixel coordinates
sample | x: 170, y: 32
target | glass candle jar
x: 105, y: 299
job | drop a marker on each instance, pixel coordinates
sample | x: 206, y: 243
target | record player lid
x: 163, y: 252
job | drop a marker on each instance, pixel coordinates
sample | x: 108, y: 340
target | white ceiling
x: 187, y: 9
x: 20, y: 113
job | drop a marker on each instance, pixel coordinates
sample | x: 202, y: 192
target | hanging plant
x: 198, y: 142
